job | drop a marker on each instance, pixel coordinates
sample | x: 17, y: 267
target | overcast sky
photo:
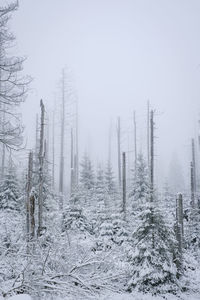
x: 121, y: 53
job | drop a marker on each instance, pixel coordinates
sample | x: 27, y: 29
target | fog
x: 120, y: 54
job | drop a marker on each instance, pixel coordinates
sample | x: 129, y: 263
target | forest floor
x: 116, y: 296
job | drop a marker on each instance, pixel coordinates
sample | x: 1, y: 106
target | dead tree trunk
x: 194, y: 166
x: 28, y: 191
x: 72, y: 161
x: 76, y: 156
x: 192, y: 185
x: 152, y: 157
x: 119, y: 150
x: 61, y: 179
x: 152, y: 173
x: 36, y: 136
x: 41, y: 177
x: 148, y: 146
x: 32, y: 215
x: 3, y: 145
x: 124, y: 183
x: 179, y: 231
x: 135, y: 140
x: 53, y: 151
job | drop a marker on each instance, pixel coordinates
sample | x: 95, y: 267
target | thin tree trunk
x: 124, y: 183
x: 29, y: 186
x: 192, y: 185
x: 41, y: 179
x: 152, y: 157
x: 179, y: 231
x: 135, y: 139
x: 119, y: 150
x: 53, y: 151
x: 194, y: 165
x: 61, y: 179
x: 72, y: 161
x: 152, y: 173
x: 76, y: 165
x: 148, y: 144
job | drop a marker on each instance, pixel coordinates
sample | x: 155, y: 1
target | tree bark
x: 41, y: 179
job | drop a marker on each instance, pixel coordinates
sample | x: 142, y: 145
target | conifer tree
x: 87, y: 173
x: 10, y: 192
x: 140, y: 187
x: 153, y: 243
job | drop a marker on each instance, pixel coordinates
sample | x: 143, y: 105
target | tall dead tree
x: 53, y: 150
x: 28, y: 191
x: 72, y: 161
x: 148, y: 135
x: 135, y: 139
x: 194, y: 166
x: 179, y: 231
x: 192, y: 185
x: 151, y: 156
x: 41, y: 177
x: 76, y: 155
x: 124, y: 183
x: 37, y: 136
x: 109, y: 143
x: 61, y: 176
x: 119, y: 150
x: 3, y: 145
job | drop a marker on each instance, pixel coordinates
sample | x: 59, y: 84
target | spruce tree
x: 140, y: 187
x: 9, y: 192
x: 153, y: 243
x: 87, y: 173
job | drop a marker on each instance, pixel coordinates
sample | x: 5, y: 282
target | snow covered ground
x: 114, y: 296
x: 138, y: 296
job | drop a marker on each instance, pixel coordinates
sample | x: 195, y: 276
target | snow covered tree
x: 109, y: 179
x: 10, y: 192
x: 153, y: 243
x: 87, y: 173
x: 119, y: 228
x: 153, y: 253
x: 100, y: 190
x: 140, y: 188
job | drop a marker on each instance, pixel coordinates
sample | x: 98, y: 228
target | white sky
x: 121, y: 53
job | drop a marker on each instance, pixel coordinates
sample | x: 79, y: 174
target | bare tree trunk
x: 179, y: 231
x: 124, y: 184
x: 135, y: 139
x: 109, y: 144
x: 152, y: 157
x: 192, y: 185
x: 148, y: 146
x: 76, y: 156
x: 194, y: 165
x: 31, y: 198
x: 41, y: 179
x: 28, y: 191
x: 62, y: 142
x: 3, y: 145
x: 36, y: 136
x: 152, y: 173
x: 72, y: 161
x: 53, y: 151
x: 119, y: 150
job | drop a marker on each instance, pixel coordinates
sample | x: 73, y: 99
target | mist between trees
x: 72, y: 229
